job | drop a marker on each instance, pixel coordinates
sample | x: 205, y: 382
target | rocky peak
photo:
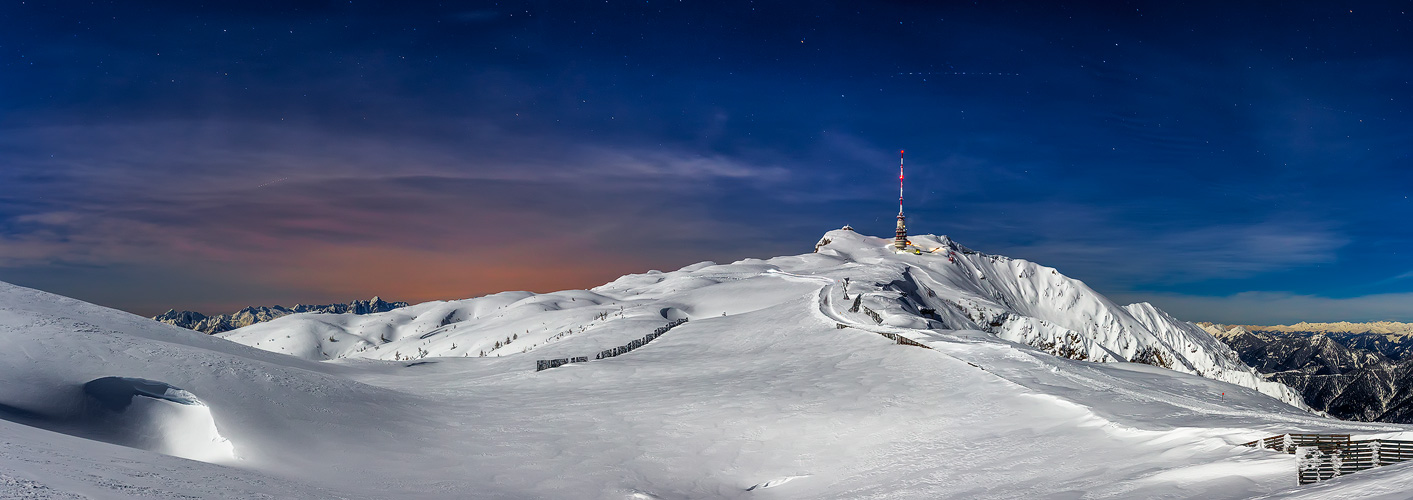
x: 258, y: 314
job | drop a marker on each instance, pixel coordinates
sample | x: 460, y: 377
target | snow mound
x: 155, y: 416
x: 181, y: 392
x: 494, y: 325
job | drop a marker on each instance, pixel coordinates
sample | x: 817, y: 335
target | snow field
x: 771, y: 400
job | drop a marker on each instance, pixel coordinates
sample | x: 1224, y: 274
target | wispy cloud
x: 1105, y: 245
x: 1272, y: 308
x: 1394, y: 279
x: 197, y: 156
x: 337, y: 217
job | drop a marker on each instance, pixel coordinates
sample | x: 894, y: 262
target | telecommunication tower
x: 901, y: 240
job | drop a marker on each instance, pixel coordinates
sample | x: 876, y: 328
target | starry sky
x: 1227, y: 162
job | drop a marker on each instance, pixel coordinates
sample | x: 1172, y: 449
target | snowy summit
x: 853, y: 371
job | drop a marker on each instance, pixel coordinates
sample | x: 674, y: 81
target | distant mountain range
x: 259, y: 314
x: 1380, y: 327
x: 1354, y: 371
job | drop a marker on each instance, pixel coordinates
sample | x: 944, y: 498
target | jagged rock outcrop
x: 1343, y: 373
x: 259, y: 314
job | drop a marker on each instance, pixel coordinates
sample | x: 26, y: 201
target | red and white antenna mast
x: 900, y: 182
x: 901, y: 240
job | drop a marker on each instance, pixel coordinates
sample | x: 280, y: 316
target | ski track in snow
x: 769, y: 400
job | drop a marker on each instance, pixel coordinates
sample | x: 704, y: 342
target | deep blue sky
x: 1239, y: 163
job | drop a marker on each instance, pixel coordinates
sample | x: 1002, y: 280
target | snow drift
x: 155, y: 416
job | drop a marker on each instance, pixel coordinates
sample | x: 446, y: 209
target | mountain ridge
x: 1378, y: 327
x: 943, y: 286
x: 1348, y: 375
x: 250, y: 315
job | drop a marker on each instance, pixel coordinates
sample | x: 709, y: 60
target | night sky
x: 1228, y: 162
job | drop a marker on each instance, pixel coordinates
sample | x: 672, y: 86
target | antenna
x: 900, y: 182
x: 900, y: 240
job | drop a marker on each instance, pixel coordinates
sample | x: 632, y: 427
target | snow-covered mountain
x: 258, y: 314
x: 1346, y: 374
x: 945, y: 287
x: 777, y: 387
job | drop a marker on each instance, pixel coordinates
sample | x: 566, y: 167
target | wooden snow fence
x: 901, y: 340
x: 873, y: 314
x: 545, y: 364
x: 1286, y: 443
x: 1324, y: 456
x: 897, y: 339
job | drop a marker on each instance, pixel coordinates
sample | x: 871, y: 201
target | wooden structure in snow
x: 1325, y: 456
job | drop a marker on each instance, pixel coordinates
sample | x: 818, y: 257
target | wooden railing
x: 1287, y: 443
x: 1324, y: 456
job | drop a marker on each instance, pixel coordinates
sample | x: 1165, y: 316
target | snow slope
x: 1032, y: 304
x: 771, y: 399
x: 949, y: 287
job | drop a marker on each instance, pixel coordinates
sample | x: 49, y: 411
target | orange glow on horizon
x: 415, y: 276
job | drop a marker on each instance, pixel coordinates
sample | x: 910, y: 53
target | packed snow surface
x: 777, y: 387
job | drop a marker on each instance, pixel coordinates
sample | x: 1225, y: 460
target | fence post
x: 1308, y: 460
